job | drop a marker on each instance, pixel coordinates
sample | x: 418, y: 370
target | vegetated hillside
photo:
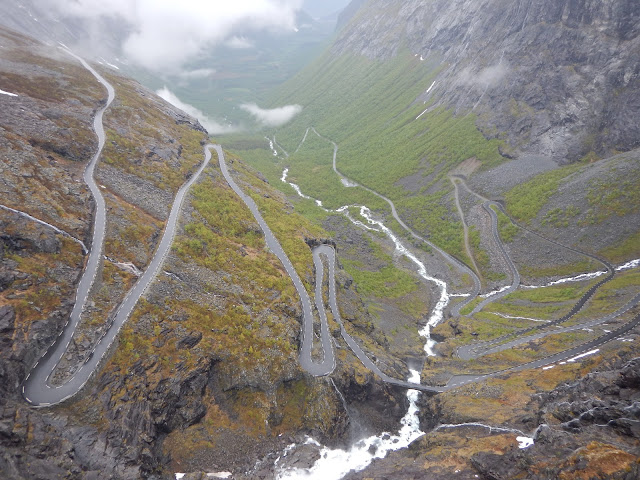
x: 498, y: 92
x: 205, y: 374
x: 423, y: 111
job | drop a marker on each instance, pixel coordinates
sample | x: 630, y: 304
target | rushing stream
x: 376, y: 225
x: 334, y: 464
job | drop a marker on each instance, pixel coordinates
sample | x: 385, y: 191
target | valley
x: 470, y: 241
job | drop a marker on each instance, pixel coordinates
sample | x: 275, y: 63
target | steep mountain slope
x: 95, y: 37
x: 559, y: 79
x: 206, y: 369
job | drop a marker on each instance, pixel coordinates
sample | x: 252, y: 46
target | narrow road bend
x: 36, y: 388
x: 307, y: 362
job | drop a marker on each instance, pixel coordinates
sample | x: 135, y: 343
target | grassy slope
x: 368, y: 108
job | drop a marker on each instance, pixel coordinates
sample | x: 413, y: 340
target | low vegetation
x: 617, y: 194
x: 388, y: 281
x: 525, y: 201
x: 507, y: 230
x: 381, y: 141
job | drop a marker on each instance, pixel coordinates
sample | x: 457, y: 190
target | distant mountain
x: 558, y: 78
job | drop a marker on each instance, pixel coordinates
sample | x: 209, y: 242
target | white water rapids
x: 335, y: 464
x: 298, y: 191
x: 376, y: 225
x: 587, y: 276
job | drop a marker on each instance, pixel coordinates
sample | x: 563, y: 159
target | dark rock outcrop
x: 592, y: 425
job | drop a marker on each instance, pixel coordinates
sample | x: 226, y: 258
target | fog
x: 166, y: 34
x: 488, y: 77
x: 213, y: 127
x: 274, y: 117
x: 239, y: 43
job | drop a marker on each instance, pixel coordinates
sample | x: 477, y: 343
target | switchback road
x: 36, y: 388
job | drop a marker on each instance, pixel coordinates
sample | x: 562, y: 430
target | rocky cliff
x: 554, y: 78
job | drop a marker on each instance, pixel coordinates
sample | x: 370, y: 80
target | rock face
x: 588, y: 427
x: 556, y: 78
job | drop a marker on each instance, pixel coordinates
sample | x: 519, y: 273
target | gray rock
x: 190, y: 341
x: 7, y: 320
x: 551, y: 74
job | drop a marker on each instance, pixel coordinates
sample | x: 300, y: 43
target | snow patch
x: 582, y: 355
x: 179, y: 476
x: 8, y: 93
x: 524, y: 442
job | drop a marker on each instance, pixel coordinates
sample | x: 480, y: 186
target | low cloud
x: 493, y: 75
x: 488, y: 77
x: 273, y: 117
x: 196, y: 74
x: 166, y: 34
x: 213, y: 127
x: 239, y: 43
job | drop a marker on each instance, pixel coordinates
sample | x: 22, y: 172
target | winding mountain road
x: 39, y: 392
x: 467, y: 244
x: 473, y: 351
x: 329, y: 252
x: 515, y: 275
x: 460, y: 265
x: 307, y: 362
x: 478, y: 349
x: 459, y: 380
x: 36, y: 388
x: 481, y: 348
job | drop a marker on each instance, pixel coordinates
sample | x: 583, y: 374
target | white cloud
x: 168, y: 33
x: 239, y: 43
x: 196, y: 74
x: 490, y: 76
x: 93, y: 8
x: 274, y: 117
x: 213, y: 127
x: 493, y: 75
